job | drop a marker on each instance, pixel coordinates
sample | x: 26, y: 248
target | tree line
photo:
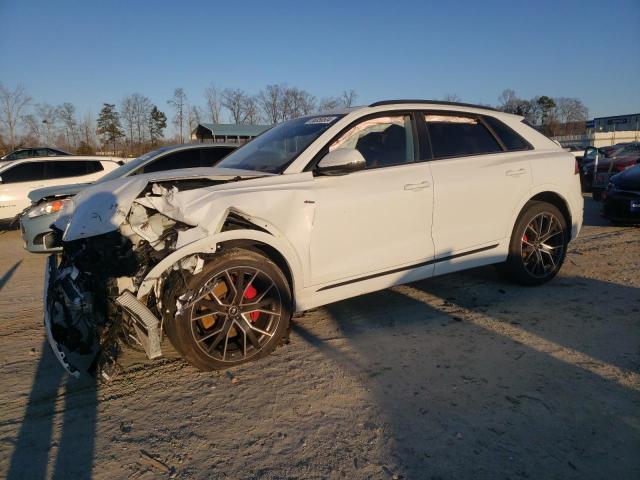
x: 135, y: 124
x: 553, y: 116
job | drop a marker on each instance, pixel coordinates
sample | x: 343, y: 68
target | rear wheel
x: 238, y: 311
x: 538, y: 245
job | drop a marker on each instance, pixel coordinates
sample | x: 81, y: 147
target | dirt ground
x: 461, y: 376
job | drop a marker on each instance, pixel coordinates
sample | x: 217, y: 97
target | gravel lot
x: 461, y: 376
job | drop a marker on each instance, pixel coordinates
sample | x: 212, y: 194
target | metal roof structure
x: 218, y: 131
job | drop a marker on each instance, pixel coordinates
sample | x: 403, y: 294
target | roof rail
x: 439, y: 102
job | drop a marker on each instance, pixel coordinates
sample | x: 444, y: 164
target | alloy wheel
x: 235, y: 313
x: 542, y: 245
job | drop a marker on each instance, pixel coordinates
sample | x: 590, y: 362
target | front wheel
x: 538, y: 245
x: 238, y: 310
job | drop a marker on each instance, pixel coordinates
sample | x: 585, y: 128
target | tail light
x: 576, y: 168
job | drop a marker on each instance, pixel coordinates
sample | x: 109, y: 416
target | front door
x: 378, y: 218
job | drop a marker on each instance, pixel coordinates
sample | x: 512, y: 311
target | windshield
x: 275, y: 149
x: 124, y: 170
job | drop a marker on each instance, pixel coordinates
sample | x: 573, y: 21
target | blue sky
x: 89, y: 52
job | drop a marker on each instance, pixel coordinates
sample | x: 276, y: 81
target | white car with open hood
x: 315, y: 210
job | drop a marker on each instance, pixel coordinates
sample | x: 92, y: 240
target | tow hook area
x: 145, y: 324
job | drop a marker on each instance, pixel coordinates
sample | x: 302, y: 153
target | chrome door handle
x: 515, y: 173
x: 417, y: 186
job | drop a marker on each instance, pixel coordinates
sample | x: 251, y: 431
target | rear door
x: 478, y: 181
x: 17, y: 182
x: 60, y: 172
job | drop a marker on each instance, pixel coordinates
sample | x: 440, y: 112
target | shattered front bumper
x: 50, y: 276
x: 65, y: 324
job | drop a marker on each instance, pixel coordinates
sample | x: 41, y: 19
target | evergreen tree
x: 157, y: 123
x: 108, y: 125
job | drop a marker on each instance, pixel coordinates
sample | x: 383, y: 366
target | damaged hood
x: 103, y: 207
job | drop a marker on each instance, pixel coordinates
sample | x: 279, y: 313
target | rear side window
x: 25, y: 172
x: 455, y: 135
x: 211, y: 156
x: 93, y: 167
x: 73, y: 168
x: 183, y: 159
x: 511, y: 139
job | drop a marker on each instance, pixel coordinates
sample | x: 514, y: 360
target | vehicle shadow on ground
x: 8, y: 274
x: 526, y: 404
x: 39, y: 442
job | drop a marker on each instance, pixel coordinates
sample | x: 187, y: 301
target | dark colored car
x: 622, y: 198
x: 34, y: 152
x: 602, y: 163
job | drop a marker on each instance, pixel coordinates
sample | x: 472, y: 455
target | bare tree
x: 195, y: 117
x: 213, y: 98
x: 251, y: 110
x: 507, y: 100
x: 67, y: 115
x: 270, y: 101
x: 34, y: 127
x: 12, y: 105
x: 297, y: 102
x: 128, y: 117
x: 48, y: 117
x: 329, y: 103
x: 179, y: 103
x: 348, y: 97
x: 451, y: 97
x: 234, y: 100
x: 141, y: 111
x: 86, y: 131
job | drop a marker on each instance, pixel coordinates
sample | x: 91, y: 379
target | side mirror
x: 341, y: 162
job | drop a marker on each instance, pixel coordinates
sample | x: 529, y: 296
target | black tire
x: 533, y: 261
x: 597, y: 195
x: 251, y: 331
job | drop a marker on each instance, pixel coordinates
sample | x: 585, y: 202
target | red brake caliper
x: 250, y: 293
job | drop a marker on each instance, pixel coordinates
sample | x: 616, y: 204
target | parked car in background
x: 317, y: 209
x: 46, y: 203
x: 19, y: 177
x: 575, y: 149
x: 622, y: 198
x: 604, y: 168
x: 34, y: 152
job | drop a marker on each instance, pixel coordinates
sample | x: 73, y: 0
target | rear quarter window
x: 509, y: 137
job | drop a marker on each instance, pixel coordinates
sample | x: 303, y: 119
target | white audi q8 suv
x: 315, y: 210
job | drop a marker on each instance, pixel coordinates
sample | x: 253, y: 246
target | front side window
x: 25, y: 172
x: 211, y: 156
x: 382, y: 141
x: 459, y: 135
x: 72, y: 168
x: 276, y: 148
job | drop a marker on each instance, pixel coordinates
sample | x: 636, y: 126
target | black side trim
x: 410, y: 267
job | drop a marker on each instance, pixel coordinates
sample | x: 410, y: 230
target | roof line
x: 438, y: 102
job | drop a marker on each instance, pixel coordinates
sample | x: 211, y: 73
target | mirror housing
x: 341, y: 162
